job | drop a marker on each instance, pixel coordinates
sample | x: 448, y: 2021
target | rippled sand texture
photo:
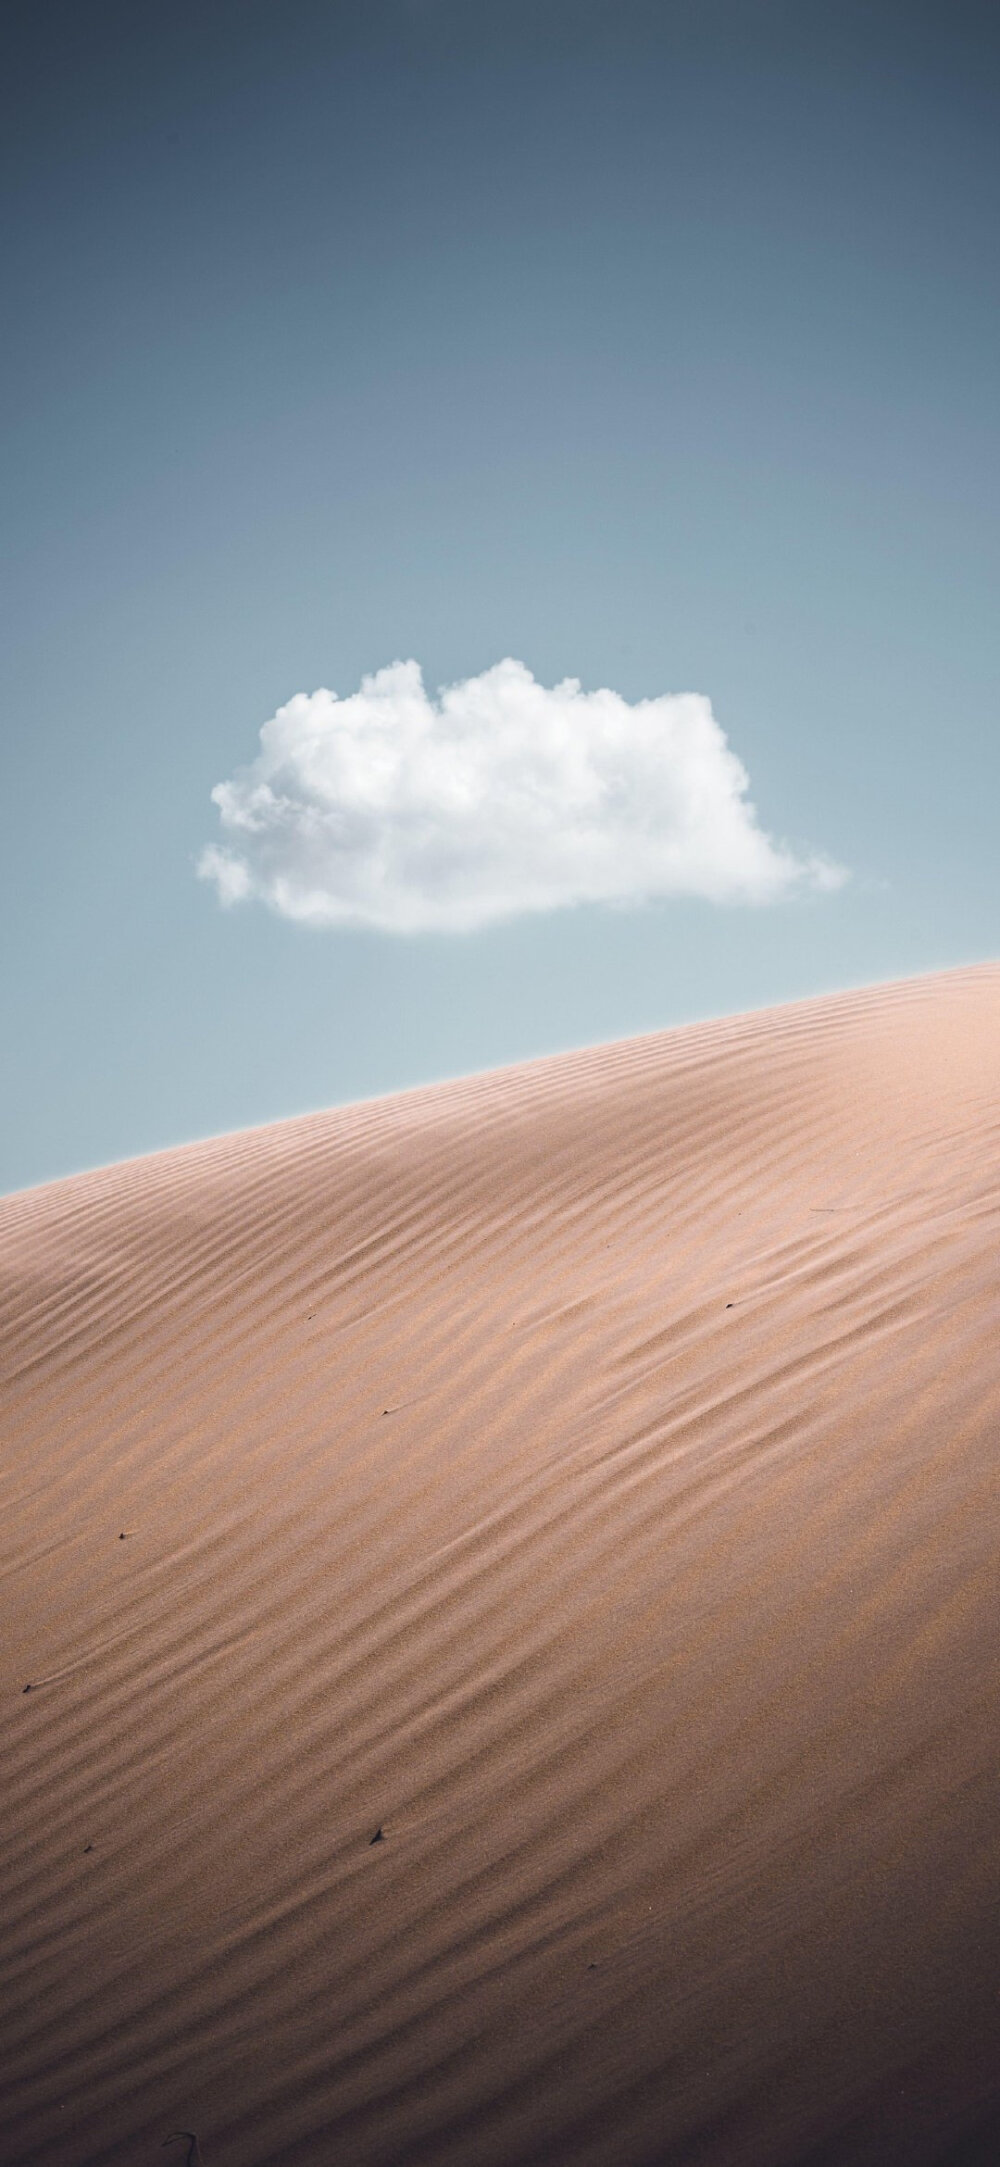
x: 586, y: 1475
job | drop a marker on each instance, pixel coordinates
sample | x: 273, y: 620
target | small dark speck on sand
x: 87, y: 1847
x: 378, y: 1837
x: 27, y: 1688
x: 730, y: 1305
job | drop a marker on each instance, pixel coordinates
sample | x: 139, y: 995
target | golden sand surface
x: 587, y: 1477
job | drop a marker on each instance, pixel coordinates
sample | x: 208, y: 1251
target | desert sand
x: 583, y: 1480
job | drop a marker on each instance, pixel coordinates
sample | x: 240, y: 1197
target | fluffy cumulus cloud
x: 414, y: 814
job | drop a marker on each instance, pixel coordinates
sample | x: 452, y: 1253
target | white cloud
x: 498, y: 797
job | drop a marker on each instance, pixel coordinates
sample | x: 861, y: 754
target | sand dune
x: 587, y: 1476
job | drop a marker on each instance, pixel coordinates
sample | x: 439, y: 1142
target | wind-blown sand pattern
x: 587, y: 1476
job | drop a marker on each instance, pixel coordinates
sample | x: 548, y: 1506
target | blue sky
x: 654, y: 346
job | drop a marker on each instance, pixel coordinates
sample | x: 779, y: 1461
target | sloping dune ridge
x: 584, y: 1479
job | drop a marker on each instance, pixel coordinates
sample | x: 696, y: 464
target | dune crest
x: 507, y: 1581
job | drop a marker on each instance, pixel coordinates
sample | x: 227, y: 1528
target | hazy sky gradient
x: 653, y: 345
